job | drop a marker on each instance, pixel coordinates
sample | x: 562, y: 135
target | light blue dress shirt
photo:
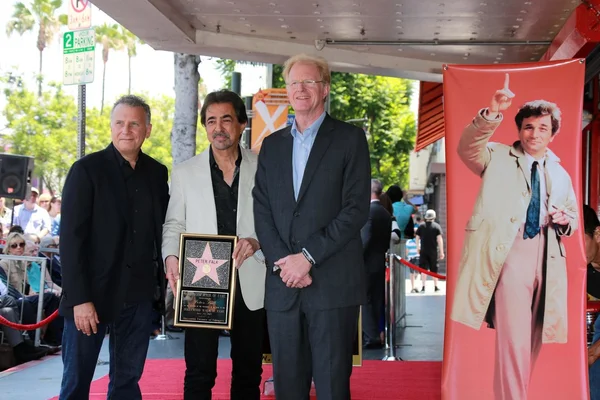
x: 303, y: 142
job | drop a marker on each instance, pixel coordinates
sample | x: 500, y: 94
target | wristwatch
x: 307, y: 255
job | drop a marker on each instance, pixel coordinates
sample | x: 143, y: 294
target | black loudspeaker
x: 15, y: 176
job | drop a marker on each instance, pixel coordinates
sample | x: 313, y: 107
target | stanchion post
x: 387, y: 303
x: 391, y: 313
x: 38, y: 331
x: 163, y: 331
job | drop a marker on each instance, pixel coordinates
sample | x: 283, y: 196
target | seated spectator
x: 32, y: 237
x: 53, y: 259
x: 54, y: 211
x: 5, y: 216
x: 17, y: 229
x: 24, y: 350
x: 44, y: 200
x: 13, y: 275
x: 32, y: 217
x: 34, y: 273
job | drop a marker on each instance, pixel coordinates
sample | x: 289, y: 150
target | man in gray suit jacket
x: 311, y: 198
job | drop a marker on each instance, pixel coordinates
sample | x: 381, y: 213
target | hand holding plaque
x: 244, y: 249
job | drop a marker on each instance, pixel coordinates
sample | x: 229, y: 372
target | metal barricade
x: 395, y: 305
x: 42, y: 261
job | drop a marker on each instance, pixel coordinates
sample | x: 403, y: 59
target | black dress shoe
x: 171, y: 328
x: 24, y: 352
x: 50, y: 349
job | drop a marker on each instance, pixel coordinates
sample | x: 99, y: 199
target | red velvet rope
x: 30, y: 327
x: 413, y: 266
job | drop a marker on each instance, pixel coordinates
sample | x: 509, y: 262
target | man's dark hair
x: 539, y: 108
x: 395, y: 193
x: 225, y: 96
x: 134, y: 101
x: 590, y: 220
x: 16, y: 228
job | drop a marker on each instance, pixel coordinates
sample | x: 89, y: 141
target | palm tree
x: 185, y: 120
x: 40, y: 13
x: 110, y: 38
x: 130, y: 41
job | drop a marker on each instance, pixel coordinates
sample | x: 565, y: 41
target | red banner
x: 516, y: 267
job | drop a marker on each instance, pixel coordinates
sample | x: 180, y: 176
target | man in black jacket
x: 114, y: 205
x: 375, y: 237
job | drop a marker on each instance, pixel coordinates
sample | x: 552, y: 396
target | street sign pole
x: 78, y: 63
x: 81, y: 113
x: 79, y: 60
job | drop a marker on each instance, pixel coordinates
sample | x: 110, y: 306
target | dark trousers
x: 202, y: 349
x: 372, y: 311
x: 128, y: 346
x: 28, y: 307
x: 312, y: 344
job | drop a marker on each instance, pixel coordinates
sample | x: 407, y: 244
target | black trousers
x: 373, y: 310
x: 202, y: 349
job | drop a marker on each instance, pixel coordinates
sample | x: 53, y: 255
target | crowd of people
x: 395, y: 225
x: 31, y: 229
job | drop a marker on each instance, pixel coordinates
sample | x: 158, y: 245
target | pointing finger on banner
x: 506, y: 90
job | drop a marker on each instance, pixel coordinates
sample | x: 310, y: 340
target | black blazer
x: 332, y: 207
x: 94, y: 231
x: 376, y: 235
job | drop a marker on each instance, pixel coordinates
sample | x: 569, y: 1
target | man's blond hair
x: 321, y: 64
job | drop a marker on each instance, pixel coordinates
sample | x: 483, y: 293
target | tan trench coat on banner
x: 500, y: 209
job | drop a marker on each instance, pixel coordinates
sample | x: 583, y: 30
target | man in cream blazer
x: 513, y: 267
x: 212, y: 194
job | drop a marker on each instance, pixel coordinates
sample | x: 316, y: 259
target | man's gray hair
x: 134, y: 101
x: 376, y: 187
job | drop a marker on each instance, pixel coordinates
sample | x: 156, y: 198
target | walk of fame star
x: 206, y: 266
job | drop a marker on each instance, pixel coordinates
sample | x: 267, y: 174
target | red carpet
x: 375, y: 380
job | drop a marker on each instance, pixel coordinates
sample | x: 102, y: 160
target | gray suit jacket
x: 332, y: 207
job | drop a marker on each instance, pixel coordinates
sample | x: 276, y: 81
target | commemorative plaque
x: 206, y: 286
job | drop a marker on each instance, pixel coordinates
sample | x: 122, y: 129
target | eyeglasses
x: 15, y: 245
x: 305, y: 82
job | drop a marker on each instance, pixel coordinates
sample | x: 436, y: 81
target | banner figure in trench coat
x: 513, y: 266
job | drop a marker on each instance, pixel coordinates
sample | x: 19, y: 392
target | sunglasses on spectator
x: 15, y: 245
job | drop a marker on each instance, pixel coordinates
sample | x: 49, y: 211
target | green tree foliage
x: 226, y: 68
x: 46, y: 129
x: 43, y: 127
x: 384, y: 103
x: 278, y: 81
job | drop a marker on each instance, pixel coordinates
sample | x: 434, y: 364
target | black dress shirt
x: 226, y: 197
x: 139, y: 247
